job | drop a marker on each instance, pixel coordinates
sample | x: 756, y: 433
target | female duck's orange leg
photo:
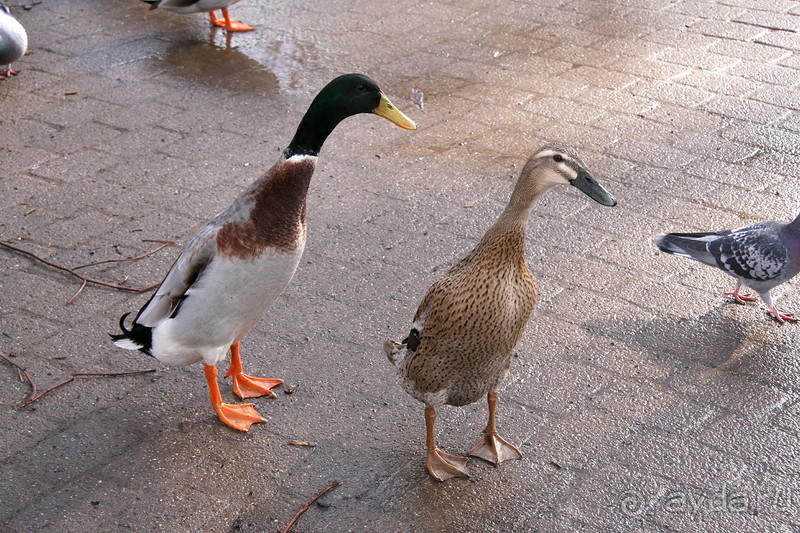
x: 441, y: 466
x: 245, y: 386
x: 239, y: 417
x: 229, y: 23
x: 492, y: 447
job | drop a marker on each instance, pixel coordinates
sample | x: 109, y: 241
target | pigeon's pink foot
x: 780, y: 316
x: 740, y: 297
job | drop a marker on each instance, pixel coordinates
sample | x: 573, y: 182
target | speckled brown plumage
x: 464, y: 332
x: 474, y: 316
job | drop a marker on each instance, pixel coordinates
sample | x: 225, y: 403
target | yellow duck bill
x: 387, y: 110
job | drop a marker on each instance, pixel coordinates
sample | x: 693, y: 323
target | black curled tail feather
x: 125, y: 331
x: 139, y: 337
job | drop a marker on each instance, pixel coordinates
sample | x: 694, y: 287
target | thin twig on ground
x: 23, y: 375
x: 85, y: 279
x: 33, y: 396
x: 74, y: 375
x: 164, y: 244
x: 305, y: 506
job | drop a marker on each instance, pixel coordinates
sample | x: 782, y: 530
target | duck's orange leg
x: 239, y: 417
x: 441, y: 466
x: 228, y: 23
x: 245, y: 386
x: 492, y: 447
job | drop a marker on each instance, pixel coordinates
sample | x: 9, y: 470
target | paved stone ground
x: 641, y: 398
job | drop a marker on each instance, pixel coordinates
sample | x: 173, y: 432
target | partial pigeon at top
x: 13, y: 40
x: 760, y: 256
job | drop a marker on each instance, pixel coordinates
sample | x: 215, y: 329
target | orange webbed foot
x: 245, y: 386
x: 228, y: 23
x: 240, y: 416
x: 236, y: 25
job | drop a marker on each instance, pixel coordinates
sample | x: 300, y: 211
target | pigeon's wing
x: 756, y: 253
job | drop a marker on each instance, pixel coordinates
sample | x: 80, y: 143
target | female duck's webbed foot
x: 492, y: 447
x: 239, y: 417
x: 245, y: 386
x: 441, y: 465
x: 495, y: 449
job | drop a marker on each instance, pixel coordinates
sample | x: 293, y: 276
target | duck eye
x: 361, y: 88
x: 558, y: 158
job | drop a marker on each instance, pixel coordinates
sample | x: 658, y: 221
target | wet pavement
x: 641, y: 398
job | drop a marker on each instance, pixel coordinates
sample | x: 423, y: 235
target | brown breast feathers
x: 277, y: 217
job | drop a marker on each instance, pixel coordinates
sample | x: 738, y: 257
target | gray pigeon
x: 13, y: 40
x: 760, y: 256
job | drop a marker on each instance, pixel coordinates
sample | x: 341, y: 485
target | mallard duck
x: 236, y: 266
x: 13, y: 40
x: 465, y: 330
x: 203, y: 6
x: 760, y: 256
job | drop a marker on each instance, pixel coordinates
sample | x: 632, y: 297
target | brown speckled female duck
x: 464, y: 332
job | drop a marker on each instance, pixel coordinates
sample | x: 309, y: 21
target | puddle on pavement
x: 260, y: 63
x: 295, y: 63
x: 220, y: 67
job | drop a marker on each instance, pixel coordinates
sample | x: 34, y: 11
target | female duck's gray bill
x: 586, y: 183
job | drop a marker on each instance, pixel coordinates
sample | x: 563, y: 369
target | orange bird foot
x: 228, y: 23
x: 495, y: 449
x: 443, y: 466
x: 245, y: 386
x: 240, y: 416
